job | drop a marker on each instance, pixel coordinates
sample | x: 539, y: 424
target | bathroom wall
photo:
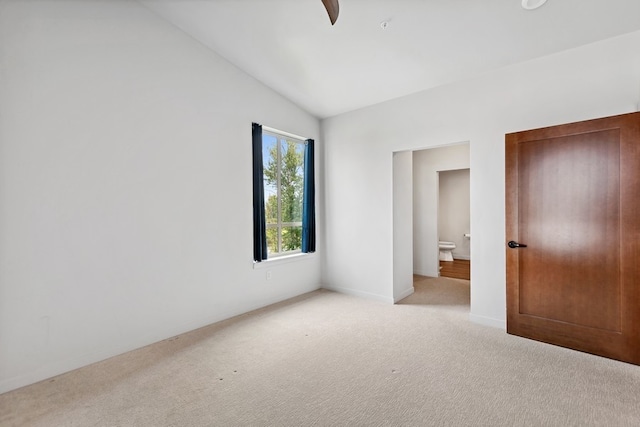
x: 426, y: 165
x: 402, y: 229
x: 454, y: 217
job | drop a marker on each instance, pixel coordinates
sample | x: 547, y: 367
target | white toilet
x: 446, y: 249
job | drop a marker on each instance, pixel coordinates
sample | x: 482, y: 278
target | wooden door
x: 573, y: 198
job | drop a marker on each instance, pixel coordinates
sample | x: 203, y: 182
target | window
x: 283, y: 194
x: 283, y: 168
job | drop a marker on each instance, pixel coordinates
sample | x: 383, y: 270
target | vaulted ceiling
x: 290, y: 45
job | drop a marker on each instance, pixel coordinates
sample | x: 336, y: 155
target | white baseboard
x: 465, y: 257
x: 426, y: 273
x: 362, y: 294
x: 60, y: 367
x: 66, y: 365
x: 404, y: 294
x: 488, y: 321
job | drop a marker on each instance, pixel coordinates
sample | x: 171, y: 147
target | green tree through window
x: 283, y: 161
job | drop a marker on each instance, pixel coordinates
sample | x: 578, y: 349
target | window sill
x: 268, y: 263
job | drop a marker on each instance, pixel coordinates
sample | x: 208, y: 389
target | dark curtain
x: 259, y: 223
x: 309, y: 200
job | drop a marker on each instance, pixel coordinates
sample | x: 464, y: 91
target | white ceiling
x: 290, y: 45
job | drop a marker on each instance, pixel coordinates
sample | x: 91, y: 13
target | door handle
x: 514, y: 245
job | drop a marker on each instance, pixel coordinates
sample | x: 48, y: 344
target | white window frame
x: 280, y: 137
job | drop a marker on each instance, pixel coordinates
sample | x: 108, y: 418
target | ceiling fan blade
x: 333, y: 9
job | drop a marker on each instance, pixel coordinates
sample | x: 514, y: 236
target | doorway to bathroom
x: 433, y: 223
x: 415, y: 216
x: 454, y: 223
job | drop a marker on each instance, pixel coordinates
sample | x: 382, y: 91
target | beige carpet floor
x: 326, y: 359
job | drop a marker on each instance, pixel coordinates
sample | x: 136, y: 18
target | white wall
x: 402, y: 226
x: 125, y: 187
x: 597, y: 80
x: 426, y: 165
x: 454, y: 215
